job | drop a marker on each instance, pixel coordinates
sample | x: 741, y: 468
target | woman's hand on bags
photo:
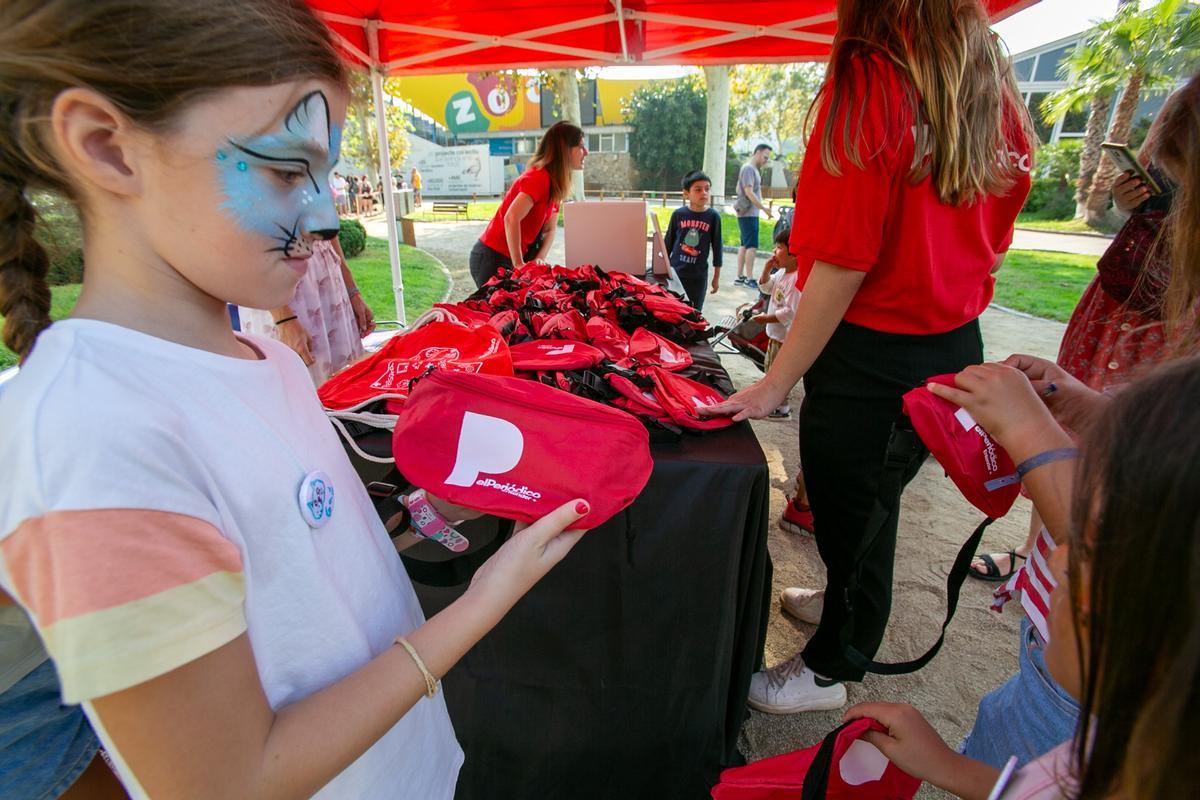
x: 292, y: 334
x: 528, y: 555
x: 1003, y: 401
x: 754, y: 402
x: 1072, y: 402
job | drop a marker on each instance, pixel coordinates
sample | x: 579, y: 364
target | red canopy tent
x: 401, y: 37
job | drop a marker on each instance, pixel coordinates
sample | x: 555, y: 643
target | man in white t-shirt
x: 746, y: 205
x: 340, y: 197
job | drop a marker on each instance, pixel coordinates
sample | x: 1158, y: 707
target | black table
x: 624, y: 673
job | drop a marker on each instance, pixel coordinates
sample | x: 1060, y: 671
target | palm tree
x: 1089, y: 86
x: 1138, y: 50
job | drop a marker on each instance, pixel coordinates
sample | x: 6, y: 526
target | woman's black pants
x: 851, y: 403
x: 485, y: 262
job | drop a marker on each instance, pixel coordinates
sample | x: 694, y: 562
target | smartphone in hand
x: 1124, y: 158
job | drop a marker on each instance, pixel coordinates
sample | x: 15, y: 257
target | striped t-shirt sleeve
x: 121, y: 596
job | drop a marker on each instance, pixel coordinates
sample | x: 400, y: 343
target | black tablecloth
x: 624, y: 673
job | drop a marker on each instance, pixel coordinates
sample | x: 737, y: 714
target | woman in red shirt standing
x: 918, y: 164
x: 523, y: 227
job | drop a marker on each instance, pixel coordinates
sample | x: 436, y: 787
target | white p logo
x: 485, y: 445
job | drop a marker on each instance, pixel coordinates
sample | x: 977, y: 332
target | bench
x: 456, y: 207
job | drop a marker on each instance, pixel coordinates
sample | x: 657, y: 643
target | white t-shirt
x: 784, y: 300
x: 339, y: 185
x: 152, y: 515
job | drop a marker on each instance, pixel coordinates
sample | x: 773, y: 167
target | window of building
x: 1044, y: 129
x: 1024, y: 68
x: 1047, y: 65
x: 608, y: 142
x: 551, y: 109
x: 1075, y: 122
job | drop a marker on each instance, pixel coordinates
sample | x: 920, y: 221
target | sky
x: 1039, y: 24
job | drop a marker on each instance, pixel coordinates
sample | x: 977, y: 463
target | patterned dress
x: 1107, y: 342
x: 322, y: 306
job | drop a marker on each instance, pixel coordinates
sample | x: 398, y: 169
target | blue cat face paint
x: 277, y: 184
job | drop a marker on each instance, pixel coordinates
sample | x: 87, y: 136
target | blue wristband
x: 1033, y: 462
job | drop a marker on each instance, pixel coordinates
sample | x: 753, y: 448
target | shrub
x: 1051, y: 198
x: 59, y: 231
x: 65, y: 268
x: 353, y: 237
x: 1060, y: 160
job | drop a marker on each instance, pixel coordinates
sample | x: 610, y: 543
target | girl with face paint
x: 204, y: 566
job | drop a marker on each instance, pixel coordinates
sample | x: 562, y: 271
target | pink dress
x: 322, y: 306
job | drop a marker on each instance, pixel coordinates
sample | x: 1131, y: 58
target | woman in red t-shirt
x: 523, y: 227
x: 917, y: 166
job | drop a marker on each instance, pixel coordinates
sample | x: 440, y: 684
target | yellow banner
x: 474, y: 102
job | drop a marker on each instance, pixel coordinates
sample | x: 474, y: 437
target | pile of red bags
x: 610, y: 337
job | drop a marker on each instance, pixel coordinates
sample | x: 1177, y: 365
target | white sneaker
x: 805, y: 605
x: 792, y: 687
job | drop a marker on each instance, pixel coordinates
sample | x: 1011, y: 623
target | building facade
x: 510, y: 113
x: 1037, y: 73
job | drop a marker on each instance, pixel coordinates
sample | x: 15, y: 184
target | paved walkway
x: 1082, y: 244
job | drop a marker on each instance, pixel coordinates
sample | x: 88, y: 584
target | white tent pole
x: 385, y: 165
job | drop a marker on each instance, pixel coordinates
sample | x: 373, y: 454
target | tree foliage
x: 1138, y: 50
x: 773, y: 100
x: 359, y: 137
x: 668, y: 120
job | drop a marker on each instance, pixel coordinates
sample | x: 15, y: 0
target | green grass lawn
x: 424, y: 284
x: 1055, y: 225
x: 1043, y: 284
x: 424, y: 281
x: 730, y: 235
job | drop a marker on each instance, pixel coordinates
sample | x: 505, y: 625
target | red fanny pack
x: 682, y: 398
x: 518, y: 449
x: 980, y: 468
x: 649, y: 349
x: 391, y: 370
x: 549, y: 355
x: 843, y: 767
x: 611, y: 340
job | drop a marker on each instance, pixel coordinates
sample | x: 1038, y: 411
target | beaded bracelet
x: 431, y: 684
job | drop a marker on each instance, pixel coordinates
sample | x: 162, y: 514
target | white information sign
x: 456, y: 171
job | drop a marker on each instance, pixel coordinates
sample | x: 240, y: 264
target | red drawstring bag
x: 519, y: 449
x: 980, y: 468
x: 680, y: 397
x: 672, y: 310
x: 540, y: 355
x: 636, y: 400
x: 608, y: 338
x: 843, y: 767
x: 466, y: 315
x: 647, y: 348
x: 391, y: 369
x: 565, y: 325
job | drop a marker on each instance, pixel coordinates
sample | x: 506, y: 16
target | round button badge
x: 316, y: 499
